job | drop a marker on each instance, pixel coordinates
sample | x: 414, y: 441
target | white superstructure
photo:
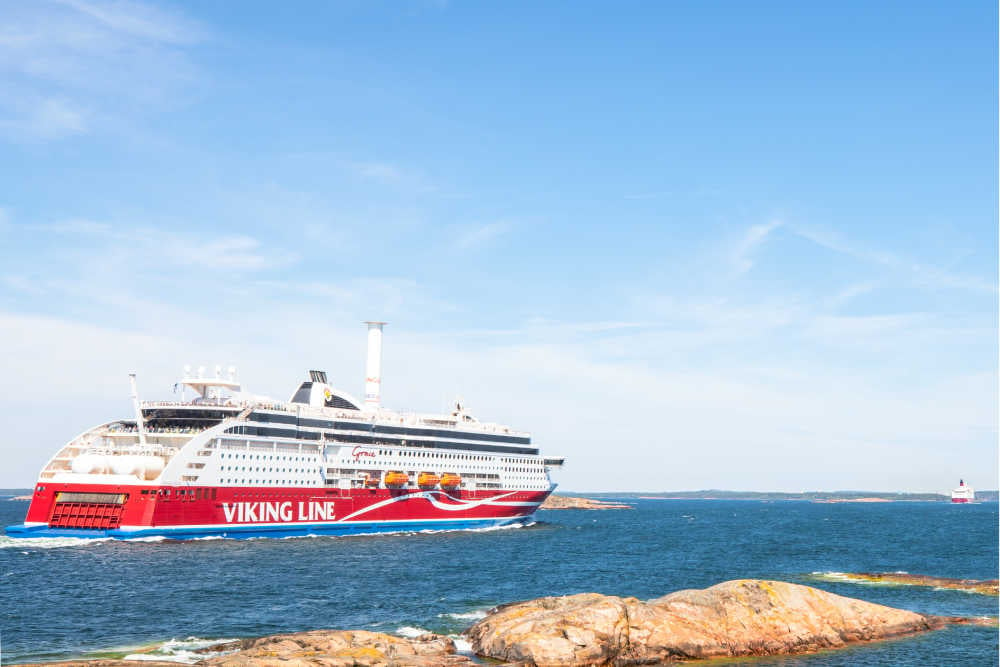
x: 321, y: 437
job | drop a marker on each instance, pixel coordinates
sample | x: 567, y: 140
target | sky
x: 686, y: 245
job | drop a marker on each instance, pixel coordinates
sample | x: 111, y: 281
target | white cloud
x: 69, y: 66
x: 77, y: 226
x: 215, y: 253
x: 692, y: 391
x: 140, y: 20
x: 236, y: 253
x: 54, y: 118
x: 817, y: 426
x: 392, y: 175
x: 916, y: 273
x: 752, y: 239
x: 477, y: 236
x: 849, y: 293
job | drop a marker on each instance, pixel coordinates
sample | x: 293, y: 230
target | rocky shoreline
x: 738, y: 618
x: 574, y: 503
x: 982, y: 587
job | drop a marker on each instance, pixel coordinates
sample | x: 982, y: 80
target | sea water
x: 71, y: 598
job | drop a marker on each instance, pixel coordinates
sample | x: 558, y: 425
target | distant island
x: 555, y: 502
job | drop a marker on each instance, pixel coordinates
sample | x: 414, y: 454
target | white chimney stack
x: 373, y: 369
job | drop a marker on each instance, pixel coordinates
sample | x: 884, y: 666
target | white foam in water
x: 482, y: 529
x: 467, y: 616
x: 182, y: 651
x: 48, y: 542
x: 57, y: 542
x: 462, y: 644
x: 842, y: 576
x: 410, y: 632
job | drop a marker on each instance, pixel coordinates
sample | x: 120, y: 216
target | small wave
x: 480, y: 529
x: 466, y: 616
x: 48, y: 542
x: 846, y: 577
x: 186, y: 651
x: 410, y: 632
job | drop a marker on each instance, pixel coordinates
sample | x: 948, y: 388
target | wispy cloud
x: 69, y: 65
x: 234, y: 252
x: 53, y: 118
x: 917, y: 273
x: 477, y: 236
x: 851, y: 292
x: 77, y: 226
x: 228, y: 253
x: 374, y: 297
x: 391, y: 175
x: 141, y: 20
x: 752, y: 239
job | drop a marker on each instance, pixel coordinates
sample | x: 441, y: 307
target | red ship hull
x: 189, y: 512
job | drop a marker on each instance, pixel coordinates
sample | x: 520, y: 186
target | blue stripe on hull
x: 290, y: 530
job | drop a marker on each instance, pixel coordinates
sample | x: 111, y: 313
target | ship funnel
x: 373, y: 369
x: 140, y: 425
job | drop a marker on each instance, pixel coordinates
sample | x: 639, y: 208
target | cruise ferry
x: 230, y: 464
x: 963, y: 494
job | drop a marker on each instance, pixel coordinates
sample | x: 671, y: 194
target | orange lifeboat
x: 396, y: 478
x: 371, y: 482
x: 450, y: 480
x: 427, y: 480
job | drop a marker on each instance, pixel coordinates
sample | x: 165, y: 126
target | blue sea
x: 65, y: 598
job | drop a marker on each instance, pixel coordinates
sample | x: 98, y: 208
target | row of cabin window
x: 463, y: 457
x: 264, y: 457
x: 244, y: 468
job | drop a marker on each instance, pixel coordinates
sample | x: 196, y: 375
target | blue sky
x: 738, y: 245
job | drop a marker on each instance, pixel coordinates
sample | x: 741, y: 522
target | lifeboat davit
x: 450, y: 480
x: 427, y: 480
x: 396, y: 478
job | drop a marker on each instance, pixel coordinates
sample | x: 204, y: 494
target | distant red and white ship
x: 235, y: 465
x: 963, y: 494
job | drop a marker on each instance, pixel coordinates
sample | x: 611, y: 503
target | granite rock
x: 734, y: 618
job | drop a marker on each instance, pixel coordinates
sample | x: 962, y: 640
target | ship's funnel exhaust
x: 373, y: 369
